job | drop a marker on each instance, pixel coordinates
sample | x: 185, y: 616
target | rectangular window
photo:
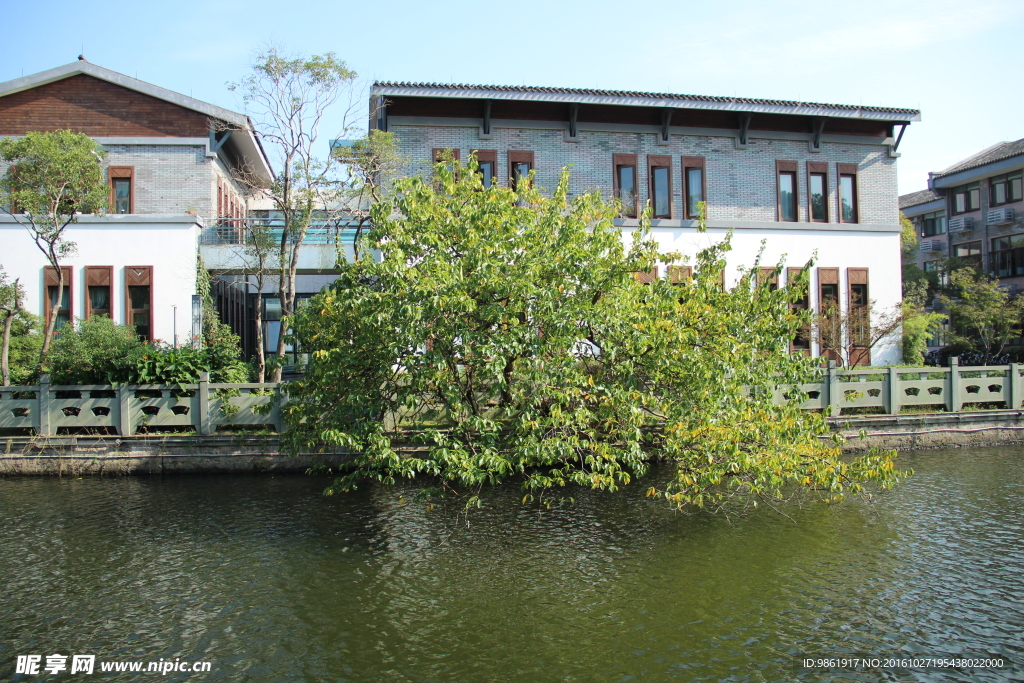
x: 785, y: 172
x: 487, y: 166
x: 933, y: 223
x: 848, y: 211
x: 122, y: 192
x: 659, y: 168
x: 817, y: 191
x: 1007, y: 256
x: 99, y: 281
x: 770, y: 276
x: 519, y: 166
x: 52, y: 285
x: 967, y: 249
x: 624, y: 182
x: 802, y: 341
x: 1006, y: 188
x: 828, y: 290
x: 693, y: 177
x: 859, y: 315
x: 966, y: 198
x: 679, y: 275
x: 138, y: 294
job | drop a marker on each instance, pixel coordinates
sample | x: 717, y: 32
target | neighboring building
x: 171, y: 162
x: 808, y: 179
x: 974, y: 210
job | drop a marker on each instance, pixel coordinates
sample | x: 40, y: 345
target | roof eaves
x: 624, y: 97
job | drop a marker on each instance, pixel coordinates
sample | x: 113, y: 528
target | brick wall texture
x: 741, y: 183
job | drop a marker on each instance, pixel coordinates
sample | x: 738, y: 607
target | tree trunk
x: 261, y: 357
x: 5, y: 369
x: 51, y: 324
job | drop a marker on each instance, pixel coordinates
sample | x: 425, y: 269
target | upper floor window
x: 1006, y: 188
x: 519, y: 166
x: 693, y: 177
x: 660, y: 170
x: 933, y: 223
x: 487, y: 166
x: 848, y: 211
x: 817, y: 190
x: 122, y: 190
x: 624, y: 182
x: 966, y: 198
x: 787, y: 199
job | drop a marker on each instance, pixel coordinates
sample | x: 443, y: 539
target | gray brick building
x: 810, y: 180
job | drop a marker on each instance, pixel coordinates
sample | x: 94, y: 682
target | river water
x: 267, y: 580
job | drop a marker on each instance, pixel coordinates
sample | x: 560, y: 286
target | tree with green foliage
x: 19, y: 348
x: 983, y: 315
x: 52, y: 178
x: 918, y: 324
x: 500, y: 333
x: 287, y: 98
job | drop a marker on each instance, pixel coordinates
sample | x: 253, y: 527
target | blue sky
x: 958, y: 62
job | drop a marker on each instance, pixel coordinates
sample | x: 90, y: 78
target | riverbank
x: 248, y: 454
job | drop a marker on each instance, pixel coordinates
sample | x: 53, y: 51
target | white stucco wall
x: 879, y: 252
x: 167, y: 243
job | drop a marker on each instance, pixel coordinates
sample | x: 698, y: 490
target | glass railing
x: 240, y: 231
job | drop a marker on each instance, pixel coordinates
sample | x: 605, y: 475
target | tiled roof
x: 998, y: 152
x: 631, y: 93
x: 915, y: 198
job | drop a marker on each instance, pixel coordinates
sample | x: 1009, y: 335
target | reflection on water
x: 270, y: 581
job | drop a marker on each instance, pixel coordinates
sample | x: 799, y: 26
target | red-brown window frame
x: 518, y: 157
x: 50, y: 280
x: 849, y: 170
x: 646, y: 277
x: 767, y: 274
x: 489, y: 156
x: 790, y: 168
x: 817, y: 168
x: 660, y: 161
x: 688, y: 163
x: 828, y: 276
x: 619, y: 161
x: 678, y: 275
x: 859, y: 354
x: 119, y: 173
x: 99, y: 276
x: 138, y: 276
x: 803, y: 334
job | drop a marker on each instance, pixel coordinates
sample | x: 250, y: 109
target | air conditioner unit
x: 1000, y: 216
x: 961, y: 223
x: 930, y: 245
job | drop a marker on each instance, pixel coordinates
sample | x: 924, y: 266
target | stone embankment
x: 148, y: 454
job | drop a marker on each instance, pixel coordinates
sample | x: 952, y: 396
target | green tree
x: 287, y: 98
x: 19, y: 349
x: 51, y: 179
x: 501, y: 333
x: 918, y: 324
x: 983, y: 315
x: 908, y: 237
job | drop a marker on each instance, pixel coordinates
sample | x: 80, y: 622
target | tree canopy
x: 52, y: 177
x: 492, y: 333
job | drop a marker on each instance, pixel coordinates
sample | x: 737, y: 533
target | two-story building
x: 171, y: 164
x: 974, y: 210
x: 809, y: 180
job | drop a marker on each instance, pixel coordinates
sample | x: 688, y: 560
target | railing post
x: 833, y: 390
x: 953, y: 403
x: 43, y: 427
x: 205, y: 425
x: 1013, y: 393
x: 894, y: 392
x: 125, y: 423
